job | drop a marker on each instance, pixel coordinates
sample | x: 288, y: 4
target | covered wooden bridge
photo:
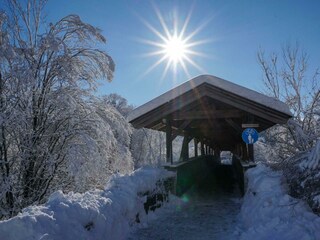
x: 213, y: 112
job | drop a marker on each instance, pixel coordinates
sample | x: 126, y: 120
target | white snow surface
x: 268, y: 212
x: 217, y: 82
x: 94, y: 215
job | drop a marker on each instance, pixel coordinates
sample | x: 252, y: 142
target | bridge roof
x: 211, y: 108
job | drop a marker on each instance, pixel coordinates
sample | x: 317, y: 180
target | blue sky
x: 236, y: 30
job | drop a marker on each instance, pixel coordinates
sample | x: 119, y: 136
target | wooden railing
x: 239, y: 168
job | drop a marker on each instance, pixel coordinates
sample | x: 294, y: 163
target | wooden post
x: 251, y: 152
x: 202, y: 148
x: 184, y: 155
x: 169, y: 141
x: 217, y: 153
x: 244, y: 152
x: 250, y: 157
x: 238, y: 149
x: 195, y: 147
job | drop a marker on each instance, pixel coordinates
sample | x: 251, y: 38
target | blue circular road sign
x: 250, y: 135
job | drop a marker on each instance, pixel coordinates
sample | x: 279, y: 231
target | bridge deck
x: 209, y: 211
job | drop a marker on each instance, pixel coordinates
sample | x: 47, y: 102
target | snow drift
x: 92, y: 215
x: 269, y: 213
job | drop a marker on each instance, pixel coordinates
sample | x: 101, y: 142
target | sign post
x: 250, y: 136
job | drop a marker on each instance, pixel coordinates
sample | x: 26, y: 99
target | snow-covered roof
x: 216, y: 82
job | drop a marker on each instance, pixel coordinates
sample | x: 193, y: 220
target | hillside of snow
x: 268, y: 212
x: 93, y: 215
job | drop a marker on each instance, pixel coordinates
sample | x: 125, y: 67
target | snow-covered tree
x: 148, y: 147
x: 287, y: 77
x: 102, y: 149
x: 118, y: 102
x: 47, y: 74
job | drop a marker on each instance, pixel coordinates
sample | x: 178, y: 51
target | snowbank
x: 269, y: 213
x: 92, y: 215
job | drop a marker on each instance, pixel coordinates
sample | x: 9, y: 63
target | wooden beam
x: 184, y: 155
x: 202, y: 148
x: 195, y: 147
x: 169, y: 141
x: 250, y: 125
x: 185, y: 124
x: 217, y: 153
x: 251, y: 152
x: 234, y: 125
x: 180, y: 130
x: 213, y: 133
x: 244, y: 151
x: 158, y: 126
x: 207, y: 114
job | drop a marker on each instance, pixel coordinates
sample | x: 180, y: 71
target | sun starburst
x: 174, y: 47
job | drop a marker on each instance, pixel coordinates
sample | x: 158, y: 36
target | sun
x: 175, y: 47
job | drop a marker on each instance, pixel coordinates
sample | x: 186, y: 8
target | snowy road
x: 209, y: 213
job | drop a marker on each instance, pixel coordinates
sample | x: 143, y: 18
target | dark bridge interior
x: 206, y: 174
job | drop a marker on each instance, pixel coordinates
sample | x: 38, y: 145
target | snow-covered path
x: 205, y: 215
x: 267, y: 212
